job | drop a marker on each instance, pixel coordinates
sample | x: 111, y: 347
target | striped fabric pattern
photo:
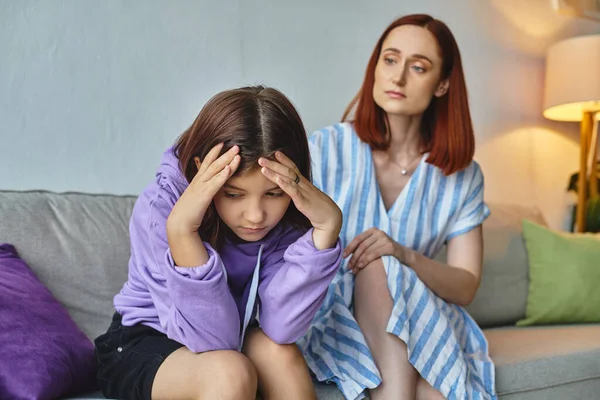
x: 444, y: 344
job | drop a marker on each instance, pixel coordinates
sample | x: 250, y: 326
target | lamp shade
x: 572, y: 78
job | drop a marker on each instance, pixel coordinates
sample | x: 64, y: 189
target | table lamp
x: 572, y: 93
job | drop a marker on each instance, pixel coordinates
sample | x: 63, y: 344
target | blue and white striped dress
x: 444, y: 344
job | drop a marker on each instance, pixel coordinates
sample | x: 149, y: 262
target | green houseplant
x: 592, y: 219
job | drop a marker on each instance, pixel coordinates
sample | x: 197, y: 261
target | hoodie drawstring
x: 251, y: 297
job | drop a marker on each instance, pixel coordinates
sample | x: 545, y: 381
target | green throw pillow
x: 564, y: 276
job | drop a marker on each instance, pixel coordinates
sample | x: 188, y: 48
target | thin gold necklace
x: 404, y: 169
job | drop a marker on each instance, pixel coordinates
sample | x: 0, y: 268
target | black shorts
x: 128, y: 359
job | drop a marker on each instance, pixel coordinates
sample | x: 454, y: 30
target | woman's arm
x: 458, y: 280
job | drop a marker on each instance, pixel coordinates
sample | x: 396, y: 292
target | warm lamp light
x: 572, y: 93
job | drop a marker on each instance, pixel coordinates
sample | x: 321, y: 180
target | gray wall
x: 92, y: 91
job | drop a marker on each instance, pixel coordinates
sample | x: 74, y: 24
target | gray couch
x: 78, y: 246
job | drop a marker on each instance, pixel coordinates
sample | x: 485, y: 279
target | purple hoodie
x: 204, y: 307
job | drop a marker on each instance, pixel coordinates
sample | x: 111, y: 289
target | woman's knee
x: 372, y: 275
x: 371, y: 293
x: 426, y: 392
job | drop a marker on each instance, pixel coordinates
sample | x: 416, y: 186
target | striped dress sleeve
x: 473, y: 211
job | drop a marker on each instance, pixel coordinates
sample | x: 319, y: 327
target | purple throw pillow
x: 43, y: 354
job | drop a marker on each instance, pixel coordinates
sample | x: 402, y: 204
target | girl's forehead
x: 251, y: 181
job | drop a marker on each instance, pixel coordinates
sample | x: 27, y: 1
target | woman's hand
x: 369, y: 246
x: 187, y: 214
x: 322, y: 212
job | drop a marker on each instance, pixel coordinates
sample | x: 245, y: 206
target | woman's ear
x: 442, y: 88
x: 197, y: 162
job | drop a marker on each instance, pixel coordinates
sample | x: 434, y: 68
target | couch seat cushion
x: 324, y: 392
x: 546, y: 362
x: 539, y: 363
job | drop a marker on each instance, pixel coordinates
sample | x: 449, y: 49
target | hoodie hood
x: 169, y: 174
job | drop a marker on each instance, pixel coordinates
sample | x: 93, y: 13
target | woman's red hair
x: 446, y: 128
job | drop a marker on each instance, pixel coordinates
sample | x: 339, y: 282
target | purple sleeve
x: 293, y: 284
x: 194, y: 305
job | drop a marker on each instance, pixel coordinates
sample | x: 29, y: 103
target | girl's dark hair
x: 261, y: 121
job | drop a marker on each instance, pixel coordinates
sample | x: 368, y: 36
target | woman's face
x: 407, y: 74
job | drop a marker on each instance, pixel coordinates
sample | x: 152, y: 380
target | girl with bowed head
x: 232, y: 252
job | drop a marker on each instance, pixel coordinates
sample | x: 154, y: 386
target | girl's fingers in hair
x: 234, y: 164
x: 219, y: 179
x: 284, y: 183
x: 210, y: 158
x: 282, y: 158
x: 214, y: 184
x: 280, y: 169
x: 217, y: 166
x: 269, y: 174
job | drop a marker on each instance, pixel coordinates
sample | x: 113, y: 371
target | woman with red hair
x: 400, y: 167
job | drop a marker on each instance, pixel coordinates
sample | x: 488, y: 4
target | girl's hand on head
x: 369, y: 246
x: 322, y: 212
x: 187, y: 214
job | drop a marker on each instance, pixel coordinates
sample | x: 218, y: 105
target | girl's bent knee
x: 237, y: 376
x: 261, y: 349
x: 287, y: 355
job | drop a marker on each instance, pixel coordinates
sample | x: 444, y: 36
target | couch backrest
x: 78, y: 245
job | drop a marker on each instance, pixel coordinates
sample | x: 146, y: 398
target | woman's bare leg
x: 372, y: 309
